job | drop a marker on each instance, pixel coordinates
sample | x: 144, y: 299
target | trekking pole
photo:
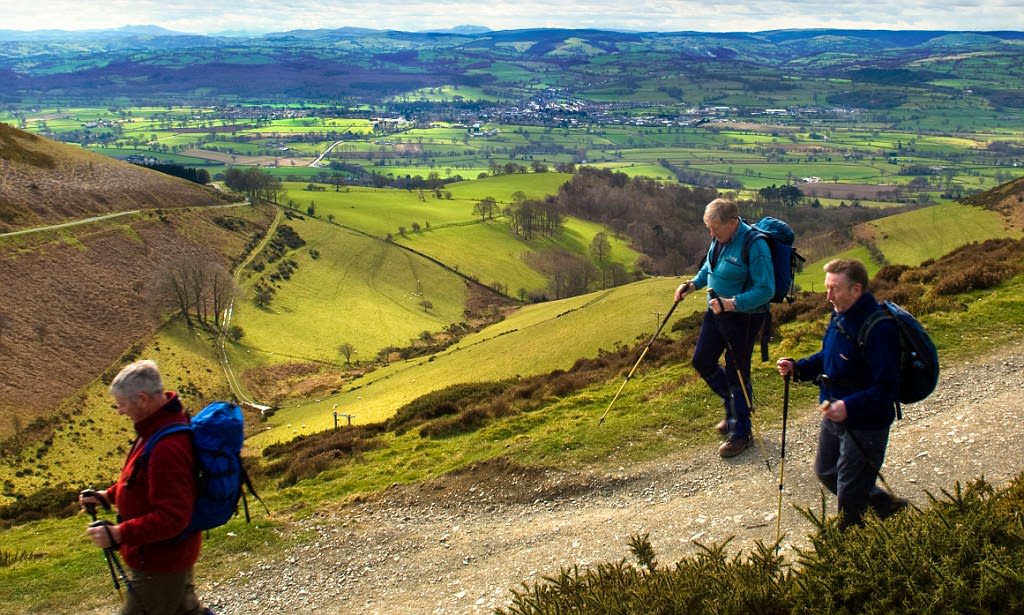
x: 782, y: 459
x: 739, y: 375
x: 91, y: 509
x: 641, y: 358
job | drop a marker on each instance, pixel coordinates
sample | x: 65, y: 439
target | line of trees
x: 192, y: 174
x: 256, y: 183
x: 195, y: 288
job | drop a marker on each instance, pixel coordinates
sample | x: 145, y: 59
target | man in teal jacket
x: 739, y: 290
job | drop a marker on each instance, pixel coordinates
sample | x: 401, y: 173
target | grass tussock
x: 963, y: 554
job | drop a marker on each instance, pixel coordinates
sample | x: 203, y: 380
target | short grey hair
x: 138, y: 377
x: 720, y: 211
x: 853, y: 269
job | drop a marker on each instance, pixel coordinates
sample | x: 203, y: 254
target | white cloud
x: 649, y: 15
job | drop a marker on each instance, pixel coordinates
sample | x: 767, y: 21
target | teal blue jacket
x: 751, y: 284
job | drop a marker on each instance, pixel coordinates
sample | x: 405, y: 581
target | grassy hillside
x: 663, y: 408
x: 356, y: 289
x: 554, y: 421
x: 46, y: 182
x: 535, y: 340
x: 913, y: 237
x: 446, y: 228
x: 78, y: 297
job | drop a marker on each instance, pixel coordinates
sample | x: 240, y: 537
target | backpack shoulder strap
x: 752, y: 235
x: 247, y: 484
x: 147, y: 448
x: 865, y: 330
x: 869, y: 323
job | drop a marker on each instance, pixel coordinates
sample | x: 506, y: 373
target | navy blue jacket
x: 867, y: 380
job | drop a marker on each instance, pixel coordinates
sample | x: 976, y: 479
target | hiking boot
x: 886, y: 505
x: 722, y: 427
x: 734, y: 446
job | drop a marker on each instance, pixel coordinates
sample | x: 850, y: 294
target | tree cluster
x: 785, y: 196
x: 665, y: 221
x: 195, y: 288
x: 256, y: 183
x: 192, y: 174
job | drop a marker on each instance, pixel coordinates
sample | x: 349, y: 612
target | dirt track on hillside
x: 461, y: 543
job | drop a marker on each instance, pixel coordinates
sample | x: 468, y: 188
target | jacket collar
x: 170, y: 412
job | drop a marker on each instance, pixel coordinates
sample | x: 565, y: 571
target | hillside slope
x: 44, y: 182
x: 76, y: 298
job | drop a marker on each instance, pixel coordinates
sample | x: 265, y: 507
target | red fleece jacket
x: 155, y: 504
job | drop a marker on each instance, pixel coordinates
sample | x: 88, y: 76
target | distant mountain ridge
x: 358, y: 65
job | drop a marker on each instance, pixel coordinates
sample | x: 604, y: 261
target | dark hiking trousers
x: 172, y: 593
x: 847, y: 463
x: 730, y: 330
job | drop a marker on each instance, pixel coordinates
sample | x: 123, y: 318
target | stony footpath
x: 462, y: 543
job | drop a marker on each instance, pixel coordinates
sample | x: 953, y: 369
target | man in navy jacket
x: 858, y: 393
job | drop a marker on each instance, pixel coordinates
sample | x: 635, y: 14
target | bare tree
x: 600, y: 247
x: 346, y: 350
x: 194, y: 286
x: 222, y: 290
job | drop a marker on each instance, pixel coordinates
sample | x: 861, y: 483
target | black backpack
x: 919, y: 360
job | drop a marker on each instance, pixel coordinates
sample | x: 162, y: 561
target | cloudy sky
x: 208, y: 16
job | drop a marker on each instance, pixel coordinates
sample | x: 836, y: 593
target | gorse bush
x: 963, y: 554
x: 58, y: 501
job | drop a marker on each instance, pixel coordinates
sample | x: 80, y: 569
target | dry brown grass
x: 44, y: 182
x: 75, y: 299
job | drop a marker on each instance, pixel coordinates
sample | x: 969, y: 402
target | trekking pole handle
x: 715, y: 297
x: 106, y: 525
x: 90, y: 506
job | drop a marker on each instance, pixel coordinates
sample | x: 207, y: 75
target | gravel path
x: 460, y: 544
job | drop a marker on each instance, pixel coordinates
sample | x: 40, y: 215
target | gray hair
x: 853, y: 269
x: 720, y: 211
x: 138, y: 377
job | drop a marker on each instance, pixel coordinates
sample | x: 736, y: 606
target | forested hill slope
x: 45, y: 182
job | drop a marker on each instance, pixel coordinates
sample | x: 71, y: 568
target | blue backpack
x: 217, y: 433
x: 785, y: 260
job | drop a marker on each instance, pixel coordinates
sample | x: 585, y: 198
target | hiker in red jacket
x: 154, y: 502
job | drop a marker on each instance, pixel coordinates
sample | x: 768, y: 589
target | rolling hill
x: 77, y: 297
x: 362, y: 65
x: 78, y: 306
x: 45, y: 183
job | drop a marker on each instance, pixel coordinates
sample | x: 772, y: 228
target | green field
x: 913, y: 237
x: 954, y: 144
x: 359, y: 290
